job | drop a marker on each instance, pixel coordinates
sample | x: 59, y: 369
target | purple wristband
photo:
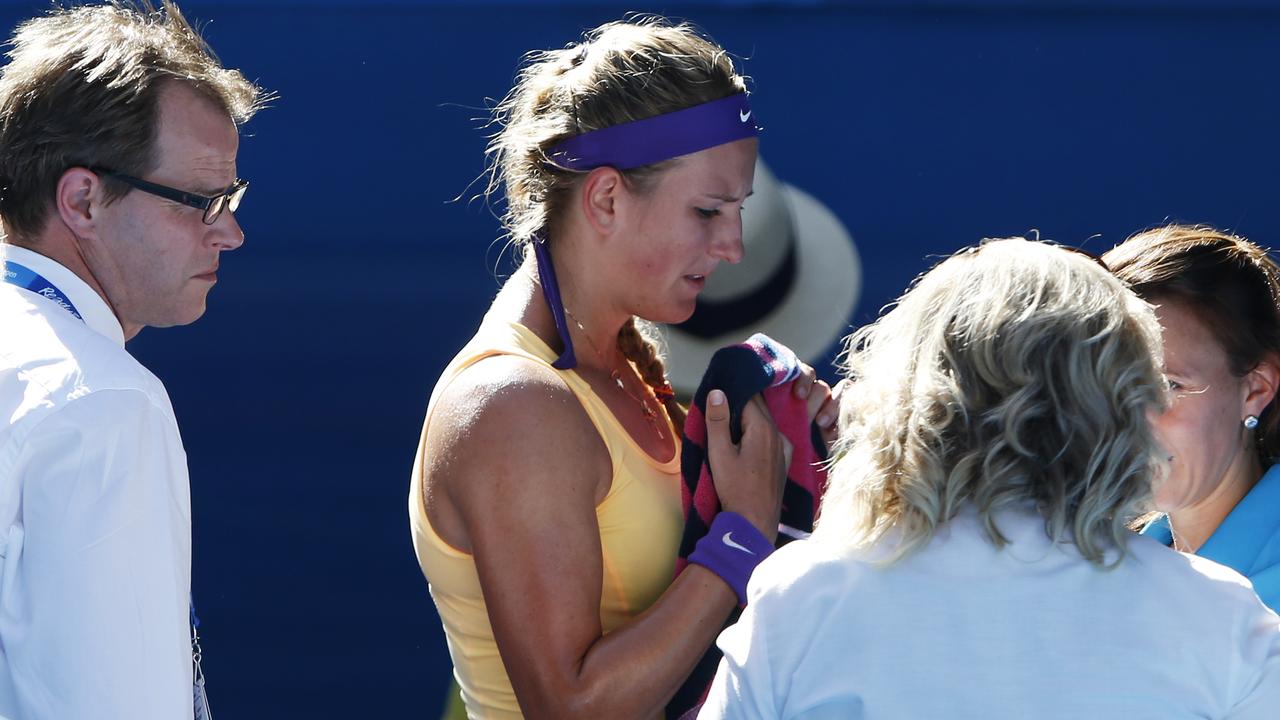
x: 732, y: 549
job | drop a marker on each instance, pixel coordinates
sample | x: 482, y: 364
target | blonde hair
x: 620, y: 72
x: 1012, y: 373
x: 82, y: 88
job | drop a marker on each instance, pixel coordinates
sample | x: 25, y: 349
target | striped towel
x: 759, y: 365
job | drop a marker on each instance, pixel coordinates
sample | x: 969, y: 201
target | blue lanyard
x: 28, y: 279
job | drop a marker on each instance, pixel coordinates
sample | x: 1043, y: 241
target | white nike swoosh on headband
x: 745, y: 116
x: 729, y: 541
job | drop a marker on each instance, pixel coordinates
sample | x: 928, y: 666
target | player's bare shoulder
x: 508, y: 414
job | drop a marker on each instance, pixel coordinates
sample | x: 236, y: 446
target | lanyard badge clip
x: 198, y: 692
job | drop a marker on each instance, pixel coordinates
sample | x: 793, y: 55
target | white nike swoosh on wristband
x: 729, y: 541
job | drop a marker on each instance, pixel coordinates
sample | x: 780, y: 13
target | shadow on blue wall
x: 925, y: 126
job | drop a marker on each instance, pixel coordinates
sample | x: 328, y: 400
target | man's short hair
x: 82, y: 88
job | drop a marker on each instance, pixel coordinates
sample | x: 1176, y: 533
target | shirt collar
x: 95, y: 311
x: 1240, y: 538
x: 1159, y: 530
x: 1249, y: 526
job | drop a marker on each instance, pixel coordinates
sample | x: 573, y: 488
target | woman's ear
x: 600, y: 194
x: 1260, y: 384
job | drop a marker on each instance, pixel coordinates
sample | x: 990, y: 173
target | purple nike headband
x: 632, y: 145
x: 661, y: 137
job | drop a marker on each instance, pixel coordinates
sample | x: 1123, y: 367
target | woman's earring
x: 1250, y: 422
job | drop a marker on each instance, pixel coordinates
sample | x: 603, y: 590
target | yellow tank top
x: 640, y: 524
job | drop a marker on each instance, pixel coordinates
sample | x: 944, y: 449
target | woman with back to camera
x: 1217, y: 296
x: 972, y: 557
x: 545, y: 501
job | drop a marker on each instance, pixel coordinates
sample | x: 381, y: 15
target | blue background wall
x: 924, y: 125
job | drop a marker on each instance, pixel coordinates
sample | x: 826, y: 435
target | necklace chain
x: 651, y: 415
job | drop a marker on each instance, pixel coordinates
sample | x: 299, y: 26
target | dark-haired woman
x: 1217, y: 297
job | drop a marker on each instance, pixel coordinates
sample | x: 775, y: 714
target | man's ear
x: 77, y: 196
x: 600, y: 194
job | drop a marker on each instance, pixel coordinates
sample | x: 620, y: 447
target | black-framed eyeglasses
x: 228, y: 199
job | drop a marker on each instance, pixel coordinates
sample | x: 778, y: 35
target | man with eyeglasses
x: 118, y: 192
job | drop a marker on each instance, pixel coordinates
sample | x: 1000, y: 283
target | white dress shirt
x: 961, y: 630
x: 95, y: 519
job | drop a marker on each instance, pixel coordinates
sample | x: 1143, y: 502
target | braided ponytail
x: 642, y: 350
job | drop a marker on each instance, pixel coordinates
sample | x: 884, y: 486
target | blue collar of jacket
x: 1248, y: 540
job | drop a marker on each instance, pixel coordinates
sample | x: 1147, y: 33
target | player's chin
x: 673, y: 313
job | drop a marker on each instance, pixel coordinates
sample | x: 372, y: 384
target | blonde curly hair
x: 1014, y: 373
